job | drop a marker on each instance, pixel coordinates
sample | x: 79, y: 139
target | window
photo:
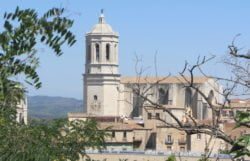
x: 89, y: 53
x: 205, y: 111
x: 107, y: 51
x: 97, y: 52
x: 149, y: 116
x: 182, y: 148
x: 137, y: 105
x: 113, y: 134
x: 163, y: 96
x: 224, y: 112
x: 95, y: 97
x: 231, y: 114
x: 169, y: 148
x: 157, y: 116
x: 211, y: 96
x: 199, y: 136
x: 188, y: 97
x: 124, y: 134
x: 169, y: 138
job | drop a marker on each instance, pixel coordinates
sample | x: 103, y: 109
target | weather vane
x: 102, y: 10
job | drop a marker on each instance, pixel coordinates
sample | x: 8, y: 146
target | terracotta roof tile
x: 120, y: 126
x: 230, y: 129
x: 240, y: 103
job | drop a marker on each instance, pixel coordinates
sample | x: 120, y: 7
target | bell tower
x: 101, y: 78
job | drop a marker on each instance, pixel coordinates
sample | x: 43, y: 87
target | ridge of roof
x: 119, y: 126
x: 162, y: 79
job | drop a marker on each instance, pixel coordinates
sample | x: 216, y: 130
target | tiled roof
x: 230, y: 129
x: 161, y: 80
x: 240, y: 103
x: 119, y: 126
x: 238, y: 100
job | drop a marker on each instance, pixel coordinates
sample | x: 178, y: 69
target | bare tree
x: 237, y: 85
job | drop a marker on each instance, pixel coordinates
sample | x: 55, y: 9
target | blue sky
x: 176, y: 30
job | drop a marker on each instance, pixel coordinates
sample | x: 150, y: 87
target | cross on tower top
x: 101, y: 18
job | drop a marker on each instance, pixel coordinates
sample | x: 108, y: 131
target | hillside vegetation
x: 46, y: 107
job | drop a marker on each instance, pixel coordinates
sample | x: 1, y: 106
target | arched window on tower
x: 97, y: 52
x: 188, y: 97
x: 89, y: 53
x: 107, y: 51
x: 163, y: 96
x: 95, y: 97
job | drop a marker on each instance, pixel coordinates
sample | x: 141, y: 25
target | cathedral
x: 135, y: 124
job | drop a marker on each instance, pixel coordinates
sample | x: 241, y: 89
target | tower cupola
x: 102, y: 27
x: 102, y: 49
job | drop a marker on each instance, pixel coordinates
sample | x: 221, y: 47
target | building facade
x: 135, y: 123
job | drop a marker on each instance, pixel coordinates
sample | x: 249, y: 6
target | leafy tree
x: 22, y: 30
x: 38, y: 141
x: 171, y: 158
x: 56, y: 140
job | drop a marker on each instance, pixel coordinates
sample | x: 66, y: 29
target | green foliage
x: 241, y: 146
x: 203, y: 159
x: 171, y: 158
x: 23, y: 29
x: 58, y: 140
x: 242, y: 118
x: 55, y: 140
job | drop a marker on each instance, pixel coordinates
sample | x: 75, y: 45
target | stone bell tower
x: 101, y: 78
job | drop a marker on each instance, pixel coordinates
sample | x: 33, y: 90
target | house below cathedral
x: 136, y: 122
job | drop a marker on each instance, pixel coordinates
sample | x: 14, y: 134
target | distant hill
x: 46, y: 107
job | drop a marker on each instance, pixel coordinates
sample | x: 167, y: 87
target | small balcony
x: 169, y: 142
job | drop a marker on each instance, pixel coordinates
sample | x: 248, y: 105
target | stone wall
x: 144, y: 157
